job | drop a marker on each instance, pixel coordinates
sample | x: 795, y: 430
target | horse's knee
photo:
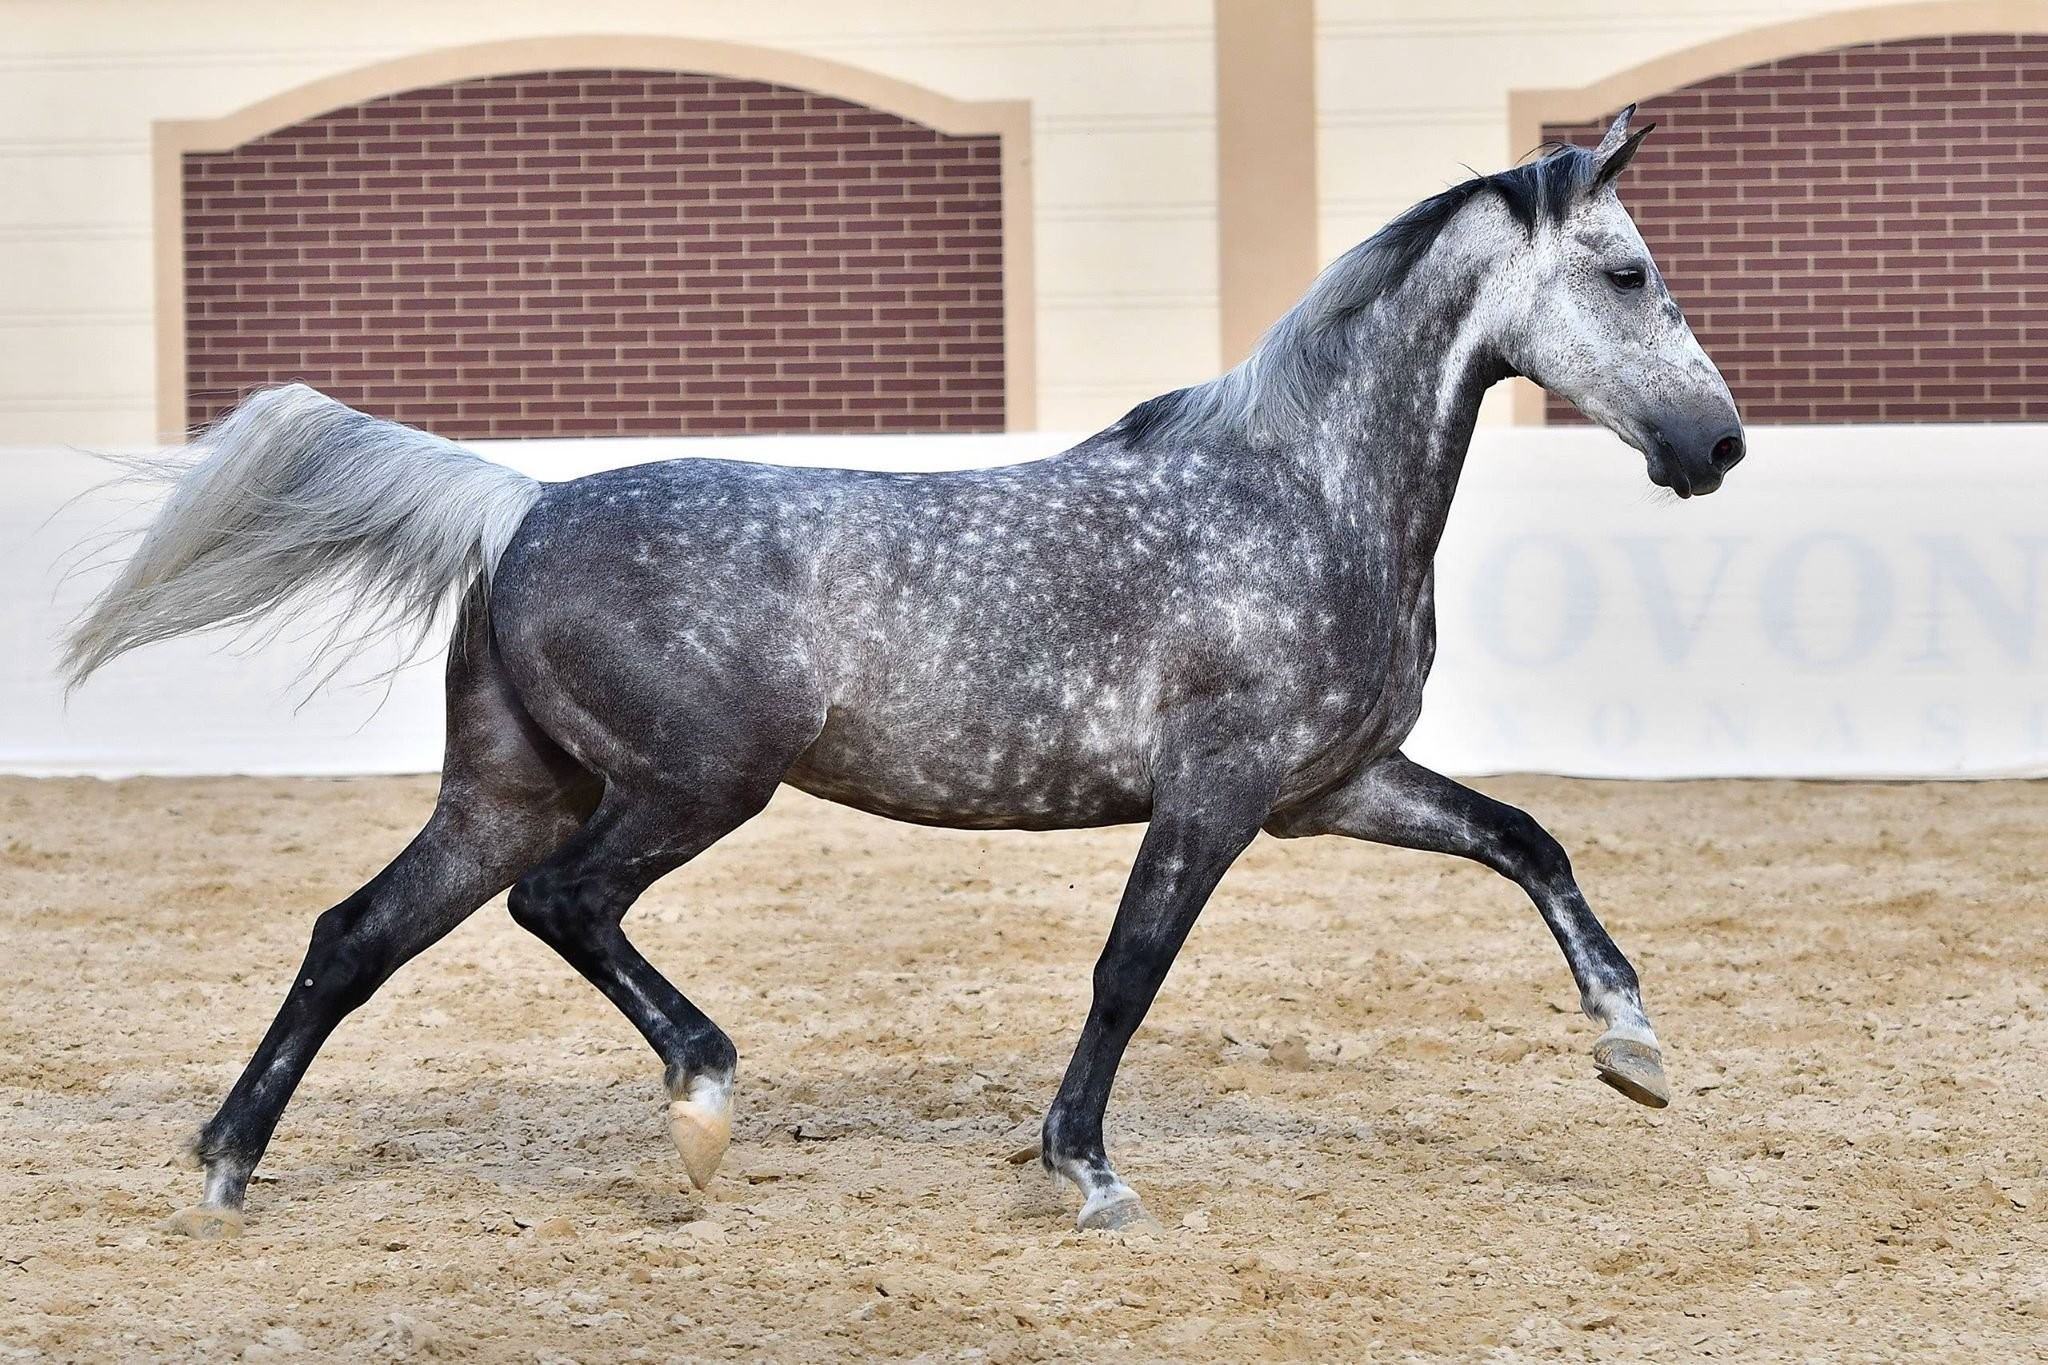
x: 555, y: 907
x: 1526, y: 852
x: 342, y: 966
x: 1126, y: 978
x: 535, y: 903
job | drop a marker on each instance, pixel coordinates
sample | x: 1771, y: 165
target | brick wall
x: 596, y: 253
x: 1859, y: 235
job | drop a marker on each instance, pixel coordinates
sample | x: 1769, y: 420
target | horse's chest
x: 1361, y: 694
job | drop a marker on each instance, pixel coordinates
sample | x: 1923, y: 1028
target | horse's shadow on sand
x: 600, y: 1142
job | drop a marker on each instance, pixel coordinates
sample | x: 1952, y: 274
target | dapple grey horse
x: 1215, y: 617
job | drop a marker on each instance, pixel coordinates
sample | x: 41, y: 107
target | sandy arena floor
x: 1363, y: 1108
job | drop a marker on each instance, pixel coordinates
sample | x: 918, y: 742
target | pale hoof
x: 205, y: 1223
x: 1116, y: 1214
x: 701, y: 1127
x: 1634, y: 1068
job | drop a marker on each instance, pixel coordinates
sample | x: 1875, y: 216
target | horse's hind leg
x: 576, y: 901
x: 508, y: 797
x: 1399, y: 802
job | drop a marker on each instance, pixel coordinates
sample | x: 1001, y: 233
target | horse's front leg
x: 1199, y: 826
x: 1396, y: 802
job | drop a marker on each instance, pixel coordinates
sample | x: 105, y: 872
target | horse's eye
x: 1627, y: 279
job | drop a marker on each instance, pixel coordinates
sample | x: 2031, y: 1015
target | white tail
x: 293, y: 492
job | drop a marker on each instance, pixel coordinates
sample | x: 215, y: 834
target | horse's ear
x: 1618, y: 148
x: 1616, y: 131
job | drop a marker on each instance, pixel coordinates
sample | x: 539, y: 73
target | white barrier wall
x: 1856, y: 602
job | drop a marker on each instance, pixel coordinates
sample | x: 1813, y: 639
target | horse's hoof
x: 1115, y: 1214
x: 701, y: 1127
x: 1634, y: 1068
x: 205, y: 1223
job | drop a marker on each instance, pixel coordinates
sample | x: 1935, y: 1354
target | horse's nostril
x: 1727, y: 452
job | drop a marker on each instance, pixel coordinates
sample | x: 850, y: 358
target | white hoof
x: 1113, y: 1209
x: 1634, y: 1068
x: 700, y: 1124
x: 205, y: 1223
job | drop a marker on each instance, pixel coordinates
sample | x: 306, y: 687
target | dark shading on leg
x: 1187, y: 849
x: 575, y: 903
x: 508, y: 796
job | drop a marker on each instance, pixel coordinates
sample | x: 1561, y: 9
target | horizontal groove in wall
x: 74, y: 402
x: 1129, y: 298
x: 16, y: 319
x: 1524, y: 23
x: 1165, y: 211
x: 74, y: 232
x: 23, y: 148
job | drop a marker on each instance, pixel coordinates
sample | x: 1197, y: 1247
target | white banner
x: 1856, y: 602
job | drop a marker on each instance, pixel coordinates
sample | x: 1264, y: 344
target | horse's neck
x: 1390, y: 446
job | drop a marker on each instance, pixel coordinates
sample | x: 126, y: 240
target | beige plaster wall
x: 1122, y: 104
x: 1123, y: 119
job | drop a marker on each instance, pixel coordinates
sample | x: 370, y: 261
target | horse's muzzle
x: 1693, y: 459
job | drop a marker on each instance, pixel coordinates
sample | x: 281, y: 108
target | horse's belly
x: 962, y: 781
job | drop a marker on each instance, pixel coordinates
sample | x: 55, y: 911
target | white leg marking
x: 1107, y: 1202
x: 1623, y: 1017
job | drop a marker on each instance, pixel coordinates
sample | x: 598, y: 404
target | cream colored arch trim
x: 1008, y: 119
x: 1529, y: 110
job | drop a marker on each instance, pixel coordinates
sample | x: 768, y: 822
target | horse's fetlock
x: 716, y: 1055
x: 707, y: 1054
x: 1067, y: 1141
x: 1618, y: 1006
x: 220, y: 1141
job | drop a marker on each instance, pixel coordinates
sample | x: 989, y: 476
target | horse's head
x: 1596, y: 325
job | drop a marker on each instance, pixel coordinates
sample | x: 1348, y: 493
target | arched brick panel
x: 1859, y: 235
x: 604, y: 252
